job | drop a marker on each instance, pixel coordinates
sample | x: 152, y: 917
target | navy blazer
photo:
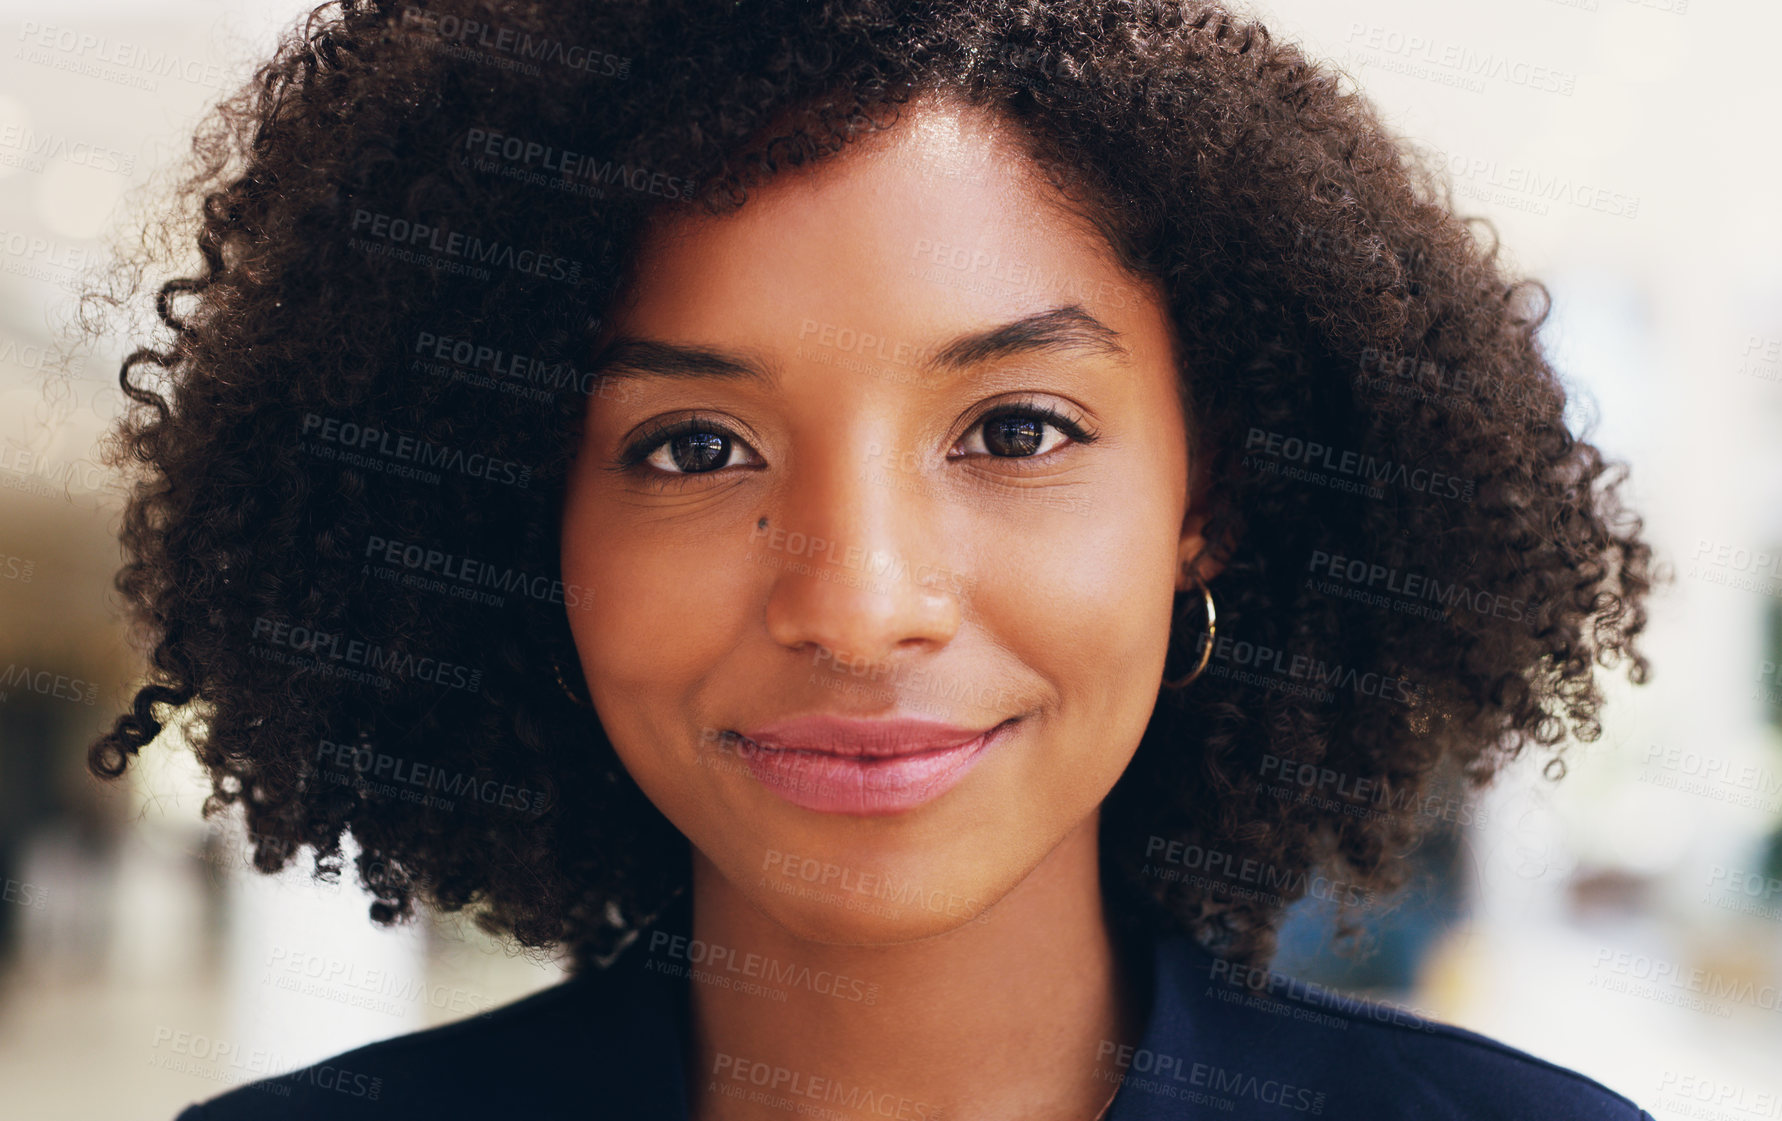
x: 1218, y: 1043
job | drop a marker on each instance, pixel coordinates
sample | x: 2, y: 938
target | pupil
x: 704, y: 450
x: 1021, y: 433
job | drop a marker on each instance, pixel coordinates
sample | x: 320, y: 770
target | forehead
x: 936, y: 224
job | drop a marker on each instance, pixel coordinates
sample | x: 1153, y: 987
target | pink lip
x: 865, y: 767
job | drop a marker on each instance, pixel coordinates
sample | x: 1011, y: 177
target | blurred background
x: 1626, y: 921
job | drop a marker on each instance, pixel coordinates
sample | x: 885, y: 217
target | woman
x: 855, y: 519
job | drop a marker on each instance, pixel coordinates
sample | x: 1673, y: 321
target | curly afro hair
x: 349, y: 455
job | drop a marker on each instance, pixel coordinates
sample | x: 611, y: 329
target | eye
x: 682, y: 448
x: 1019, y: 432
x: 673, y: 453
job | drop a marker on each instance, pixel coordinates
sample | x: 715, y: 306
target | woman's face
x: 872, y: 519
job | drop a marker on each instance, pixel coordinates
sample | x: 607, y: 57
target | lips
x: 839, y: 735
x: 866, y: 768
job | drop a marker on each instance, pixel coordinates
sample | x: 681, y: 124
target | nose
x: 861, y: 573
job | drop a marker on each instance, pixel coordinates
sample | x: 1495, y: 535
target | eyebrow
x: 1066, y: 328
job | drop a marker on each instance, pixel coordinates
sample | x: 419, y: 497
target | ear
x: 1193, y: 557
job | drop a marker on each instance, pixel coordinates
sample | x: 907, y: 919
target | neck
x: 1016, y: 1015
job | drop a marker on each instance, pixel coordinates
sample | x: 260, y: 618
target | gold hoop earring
x: 1206, y: 645
x: 574, y: 699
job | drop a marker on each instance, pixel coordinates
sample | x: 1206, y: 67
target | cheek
x: 652, y: 624
x: 1096, y: 599
x: 1089, y: 613
x: 636, y: 652
x: 670, y: 605
x: 666, y: 596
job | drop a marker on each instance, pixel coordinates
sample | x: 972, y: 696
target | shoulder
x: 1344, y: 1057
x: 527, y: 1058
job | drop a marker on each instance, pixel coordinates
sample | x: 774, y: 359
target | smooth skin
x: 1036, y: 581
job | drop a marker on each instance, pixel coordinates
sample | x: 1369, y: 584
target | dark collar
x: 1220, y: 1041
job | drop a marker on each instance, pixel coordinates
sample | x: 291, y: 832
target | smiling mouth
x: 862, y: 739
x: 865, y: 757
x: 868, y: 779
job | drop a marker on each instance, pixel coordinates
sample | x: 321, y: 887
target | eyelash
x: 654, y: 437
